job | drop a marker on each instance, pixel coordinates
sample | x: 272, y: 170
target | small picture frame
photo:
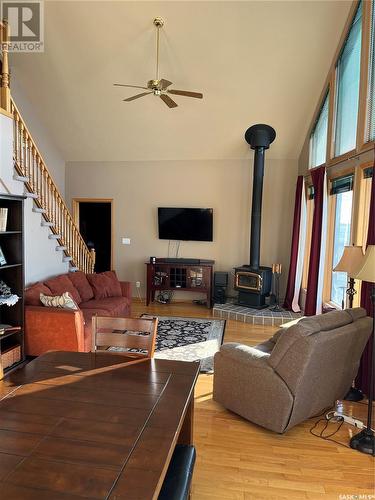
x: 2, y: 258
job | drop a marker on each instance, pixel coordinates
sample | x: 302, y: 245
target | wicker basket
x: 11, y: 356
x: 3, y: 219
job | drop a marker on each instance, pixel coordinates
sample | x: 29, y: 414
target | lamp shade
x: 366, y: 269
x: 350, y: 261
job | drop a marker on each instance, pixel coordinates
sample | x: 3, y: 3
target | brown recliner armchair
x: 297, y: 373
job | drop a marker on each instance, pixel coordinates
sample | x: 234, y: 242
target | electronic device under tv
x: 194, y: 224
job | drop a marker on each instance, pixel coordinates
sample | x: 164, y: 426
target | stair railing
x: 4, y: 84
x: 29, y: 163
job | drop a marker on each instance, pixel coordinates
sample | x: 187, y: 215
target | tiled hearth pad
x: 254, y: 316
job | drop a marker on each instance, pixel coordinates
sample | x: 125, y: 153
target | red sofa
x: 52, y: 328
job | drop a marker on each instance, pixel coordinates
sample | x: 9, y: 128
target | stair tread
x: 21, y: 178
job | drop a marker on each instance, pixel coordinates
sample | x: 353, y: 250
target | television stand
x: 171, y: 276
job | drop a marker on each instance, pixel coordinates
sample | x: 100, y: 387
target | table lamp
x: 364, y: 441
x: 349, y: 263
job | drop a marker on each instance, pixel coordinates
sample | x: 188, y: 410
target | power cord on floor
x: 328, y: 437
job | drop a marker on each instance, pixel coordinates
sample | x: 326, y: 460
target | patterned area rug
x: 189, y: 339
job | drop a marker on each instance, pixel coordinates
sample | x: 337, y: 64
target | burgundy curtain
x: 318, y: 176
x: 362, y: 380
x: 290, y: 288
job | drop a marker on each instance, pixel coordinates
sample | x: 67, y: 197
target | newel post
x: 93, y: 257
x: 5, y: 77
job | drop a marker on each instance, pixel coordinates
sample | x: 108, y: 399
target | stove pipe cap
x: 260, y: 136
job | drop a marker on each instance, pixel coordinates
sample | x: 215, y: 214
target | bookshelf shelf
x: 12, y: 352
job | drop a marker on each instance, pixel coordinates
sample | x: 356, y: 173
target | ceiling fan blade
x: 168, y: 101
x: 165, y: 83
x: 136, y: 96
x: 132, y: 86
x: 186, y: 93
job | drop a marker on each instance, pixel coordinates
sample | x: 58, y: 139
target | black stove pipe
x: 259, y: 137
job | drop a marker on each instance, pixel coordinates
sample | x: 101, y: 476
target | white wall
x: 50, y: 152
x: 8, y: 184
x: 138, y: 188
x: 41, y: 258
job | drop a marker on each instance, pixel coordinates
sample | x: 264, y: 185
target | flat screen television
x: 194, y: 224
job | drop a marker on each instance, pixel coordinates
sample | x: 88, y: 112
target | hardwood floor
x: 237, y: 460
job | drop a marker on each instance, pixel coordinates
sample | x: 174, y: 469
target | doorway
x: 94, y: 219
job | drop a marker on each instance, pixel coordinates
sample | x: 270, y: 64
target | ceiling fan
x: 159, y: 87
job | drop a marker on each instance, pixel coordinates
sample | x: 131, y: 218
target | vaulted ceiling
x: 254, y: 61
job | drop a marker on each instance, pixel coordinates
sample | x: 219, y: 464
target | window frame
x: 362, y: 143
x: 332, y: 158
x: 325, y: 97
x: 330, y: 86
x: 331, y: 216
x: 351, y: 162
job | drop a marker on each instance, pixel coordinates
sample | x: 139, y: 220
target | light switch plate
x: 126, y: 241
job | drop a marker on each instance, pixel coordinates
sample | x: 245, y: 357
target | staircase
x: 31, y: 170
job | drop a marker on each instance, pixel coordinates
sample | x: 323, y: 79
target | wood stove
x: 252, y: 281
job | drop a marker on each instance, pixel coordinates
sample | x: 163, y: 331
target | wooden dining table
x: 93, y: 425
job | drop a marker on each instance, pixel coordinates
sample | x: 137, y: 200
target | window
x: 309, y: 221
x: 364, y: 206
x: 371, y: 82
x: 342, y: 190
x: 318, y: 140
x: 348, y: 76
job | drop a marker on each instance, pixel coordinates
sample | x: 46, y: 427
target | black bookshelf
x: 12, y: 350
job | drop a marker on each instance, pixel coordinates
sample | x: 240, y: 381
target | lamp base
x: 354, y: 394
x: 364, y: 442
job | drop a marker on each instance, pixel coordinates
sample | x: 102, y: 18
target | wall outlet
x: 138, y: 284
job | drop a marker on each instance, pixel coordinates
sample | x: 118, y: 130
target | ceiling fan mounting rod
x: 159, y: 23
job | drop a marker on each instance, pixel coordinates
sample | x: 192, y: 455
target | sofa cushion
x: 105, y: 285
x: 32, y: 294
x: 62, y: 284
x: 80, y: 282
x: 87, y: 318
x: 116, y: 306
x: 89, y: 313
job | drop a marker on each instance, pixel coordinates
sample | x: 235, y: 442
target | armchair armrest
x: 126, y: 289
x: 53, y: 328
x: 245, y: 354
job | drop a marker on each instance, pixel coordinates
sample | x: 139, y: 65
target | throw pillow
x: 62, y: 284
x: 63, y: 301
x: 32, y: 294
x: 81, y: 283
x: 105, y: 285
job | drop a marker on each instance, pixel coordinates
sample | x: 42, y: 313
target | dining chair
x: 125, y: 334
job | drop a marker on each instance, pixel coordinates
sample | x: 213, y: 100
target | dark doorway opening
x: 95, y: 225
